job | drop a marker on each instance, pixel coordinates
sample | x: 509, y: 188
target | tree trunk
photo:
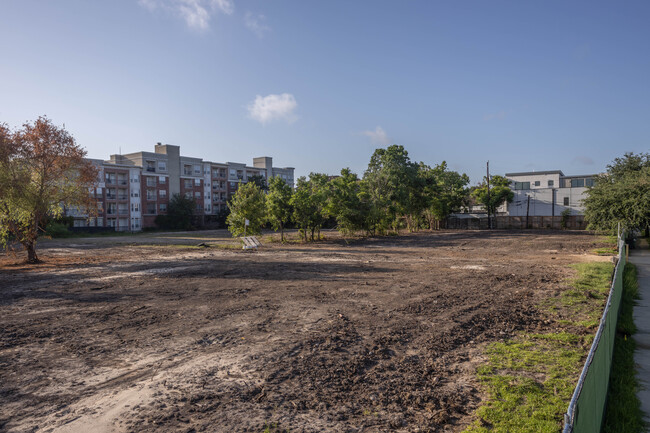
x: 281, y: 232
x: 31, y: 252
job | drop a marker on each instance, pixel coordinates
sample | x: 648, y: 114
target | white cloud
x: 256, y: 24
x: 196, y: 13
x: 273, y: 107
x: 378, y: 136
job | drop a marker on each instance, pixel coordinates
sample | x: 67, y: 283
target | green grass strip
x: 530, y: 379
x: 623, y: 413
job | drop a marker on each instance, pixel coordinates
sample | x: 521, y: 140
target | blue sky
x: 319, y: 85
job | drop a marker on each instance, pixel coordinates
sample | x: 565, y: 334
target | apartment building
x: 547, y: 193
x: 134, y: 188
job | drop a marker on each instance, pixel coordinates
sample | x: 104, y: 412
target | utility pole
x: 527, y: 212
x: 488, y: 196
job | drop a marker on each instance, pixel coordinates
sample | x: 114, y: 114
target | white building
x: 547, y: 193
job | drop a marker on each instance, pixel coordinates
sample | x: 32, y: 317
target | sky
x: 319, y: 85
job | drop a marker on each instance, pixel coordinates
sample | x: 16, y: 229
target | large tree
x: 309, y: 202
x: 445, y: 191
x: 42, y: 169
x: 180, y: 213
x: 346, y: 203
x: 248, y: 203
x: 278, y: 204
x: 499, y: 193
x: 622, y: 195
x: 391, y: 181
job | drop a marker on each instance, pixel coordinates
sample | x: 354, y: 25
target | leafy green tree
x: 302, y: 205
x: 391, y: 181
x: 500, y: 193
x: 278, y: 204
x: 309, y: 203
x: 445, y: 192
x: 347, y: 204
x: 180, y: 213
x: 622, y: 195
x: 248, y: 203
x: 41, y: 168
x: 259, y: 180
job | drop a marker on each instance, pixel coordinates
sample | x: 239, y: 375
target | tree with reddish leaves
x: 42, y: 169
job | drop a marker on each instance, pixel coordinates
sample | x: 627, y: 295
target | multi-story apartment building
x: 133, y: 189
x: 547, y: 193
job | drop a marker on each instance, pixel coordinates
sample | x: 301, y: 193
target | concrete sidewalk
x: 641, y: 258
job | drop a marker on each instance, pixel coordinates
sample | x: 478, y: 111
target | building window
x: 187, y: 170
x: 162, y: 180
x: 162, y: 193
x: 197, y: 169
x: 151, y: 194
x: 162, y: 166
x: 522, y: 185
x: 188, y: 195
x: 187, y: 183
x: 537, y: 183
x: 197, y: 195
x: 589, y: 182
x: 162, y: 207
x: 151, y: 181
x: 197, y: 182
x: 151, y: 208
x: 550, y: 183
x: 577, y: 183
x: 151, y: 166
x: 111, y: 209
x: 110, y: 178
x: 566, y: 201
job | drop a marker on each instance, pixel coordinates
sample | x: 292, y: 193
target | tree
x: 278, y: 204
x: 259, y: 180
x: 346, y: 203
x: 41, y: 170
x: 391, y: 182
x: 444, y: 191
x: 180, y: 213
x: 248, y: 203
x: 500, y: 193
x: 309, y: 202
x: 622, y: 195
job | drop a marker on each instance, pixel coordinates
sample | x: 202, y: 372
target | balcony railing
x: 110, y: 212
x: 110, y: 181
x: 111, y: 196
x: 123, y: 211
x: 122, y: 197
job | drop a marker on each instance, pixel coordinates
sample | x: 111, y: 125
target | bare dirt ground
x: 372, y: 335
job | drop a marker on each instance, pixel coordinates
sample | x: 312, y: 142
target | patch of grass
x: 623, y: 413
x: 530, y: 379
x: 607, y: 251
x: 588, y: 291
x: 273, y: 427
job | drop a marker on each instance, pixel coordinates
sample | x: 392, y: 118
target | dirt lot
x: 376, y: 335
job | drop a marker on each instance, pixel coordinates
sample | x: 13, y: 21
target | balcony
x: 111, y: 212
x: 151, y: 169
x: 111, y: 197
x: 123, y: 211
x: 110, y: 181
